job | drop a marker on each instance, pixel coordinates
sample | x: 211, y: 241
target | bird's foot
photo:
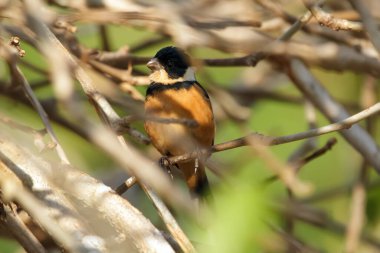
x: 165, y: 164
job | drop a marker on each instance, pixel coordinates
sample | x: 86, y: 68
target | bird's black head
x: 173, y: 60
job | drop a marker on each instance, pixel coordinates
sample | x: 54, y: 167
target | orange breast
x: 177, y: 139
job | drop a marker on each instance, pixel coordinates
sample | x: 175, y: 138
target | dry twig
x: 329, y: 20
x: 267, y: 140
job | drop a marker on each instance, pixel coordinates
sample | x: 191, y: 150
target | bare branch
x: 283, y: 171
x: 322, y: 220
x: 18, y: 229
x: 328, y: 146
x: 267, y: 140
x: 130, y: 228
x: 358, y: 138
x: 220, y: 24
x: 297, y: 164
x: 19, y: 79
x: 68, y: 231
x: 357, y: 211
x: 170, y: 223
x: 368, y: 22
x: 359, y: 194
x: 123, y: 76
x: 329, y: 20
x: 126, y: 185
x: 27, y: 129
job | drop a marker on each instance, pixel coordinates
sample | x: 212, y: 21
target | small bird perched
x: 175, y: 94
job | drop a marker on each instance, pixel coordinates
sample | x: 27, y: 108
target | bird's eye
x: 170, y: 64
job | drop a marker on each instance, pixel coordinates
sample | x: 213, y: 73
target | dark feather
x: 159, y: 87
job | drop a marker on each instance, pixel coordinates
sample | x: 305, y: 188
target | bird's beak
x: 153, y: 64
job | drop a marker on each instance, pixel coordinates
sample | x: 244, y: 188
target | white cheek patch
x: 161, y: 76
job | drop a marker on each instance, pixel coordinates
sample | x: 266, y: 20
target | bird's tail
x: 196, y: 179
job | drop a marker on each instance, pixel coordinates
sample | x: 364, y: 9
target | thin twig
x: 357, y: 211
x: 329, y: 20
x: 170, y: 222
x: 335, y: 112
x: 221, y: 24
x: 19, y: 231
x: 34, y: 68
x: 271, y: 141
x: 329, y: 55
x: 359, y: 192
x: 309, y: 144
x: 126, y: 185
x: 296, y: 244
x: 283, y: 171
x: 297, y: 164
x: 103, y: 34
x: 11, y: 123
x: 125, y: 121
x: 328, y: 146
x: 322, y: 220
x: 121, y: 57
x: 248, y: 95
x: 19, y: 79
x: 121, y: 75
x: 37, y: 134
x: 337, y: 191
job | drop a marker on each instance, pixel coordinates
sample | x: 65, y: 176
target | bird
x: 175, y: 94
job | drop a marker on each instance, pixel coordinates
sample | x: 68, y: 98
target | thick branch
x: 131, y: 228
x: 369, y: 23
x: 50, y: 208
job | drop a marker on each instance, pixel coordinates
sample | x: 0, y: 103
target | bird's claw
x: 165, y: 164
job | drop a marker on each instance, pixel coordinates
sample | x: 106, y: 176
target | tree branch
x: 356, y: 136
x: 271, y: 141
x: 19, y: 79
x: 17, y: 228
x: 329, y: 20
x: 369, y: 23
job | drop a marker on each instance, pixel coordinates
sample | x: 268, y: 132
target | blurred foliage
x: 8, y: 245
